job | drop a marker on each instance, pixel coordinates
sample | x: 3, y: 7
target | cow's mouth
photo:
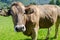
x: 20, y: 28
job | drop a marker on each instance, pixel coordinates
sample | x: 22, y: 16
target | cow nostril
x: 22, y: 27
x: 16, y: 28
x: 19, y: 29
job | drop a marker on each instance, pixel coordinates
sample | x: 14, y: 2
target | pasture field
x: 7, y: 31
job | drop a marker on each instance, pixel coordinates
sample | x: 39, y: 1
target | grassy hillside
x: 7, y: 31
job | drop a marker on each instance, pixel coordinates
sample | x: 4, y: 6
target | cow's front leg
x: 35, y: 33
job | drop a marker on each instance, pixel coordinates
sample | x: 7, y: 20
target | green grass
x: 7, y: 31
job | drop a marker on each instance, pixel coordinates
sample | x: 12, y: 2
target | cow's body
x: 44, y: 13
x: 29, y: 19
x: 44, y: 16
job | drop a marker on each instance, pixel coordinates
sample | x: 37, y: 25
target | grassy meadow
x: 7, y: 31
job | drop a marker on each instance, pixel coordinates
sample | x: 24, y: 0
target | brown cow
x: 29, y: 19
x: 3, y: 12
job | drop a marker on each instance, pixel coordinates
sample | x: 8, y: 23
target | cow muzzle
x: 20, y: 28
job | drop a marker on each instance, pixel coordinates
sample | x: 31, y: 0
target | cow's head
x: 17, y: 11
x: 3, y: 12
x: 19, y: 14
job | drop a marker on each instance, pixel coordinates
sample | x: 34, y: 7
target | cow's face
x: 18, y: 17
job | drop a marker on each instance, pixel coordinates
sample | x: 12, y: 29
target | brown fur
x: 42, y: 16
x: 17, y: 8
x: 3, y: 12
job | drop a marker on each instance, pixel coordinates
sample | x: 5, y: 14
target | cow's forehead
x: 14, y: 10
x: 18, y: 8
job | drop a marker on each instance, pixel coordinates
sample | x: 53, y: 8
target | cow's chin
x: 20, y: 31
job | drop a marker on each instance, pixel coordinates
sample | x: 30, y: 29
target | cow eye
x: 12, y: 13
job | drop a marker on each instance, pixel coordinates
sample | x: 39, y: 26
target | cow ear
x: 29, y: 11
